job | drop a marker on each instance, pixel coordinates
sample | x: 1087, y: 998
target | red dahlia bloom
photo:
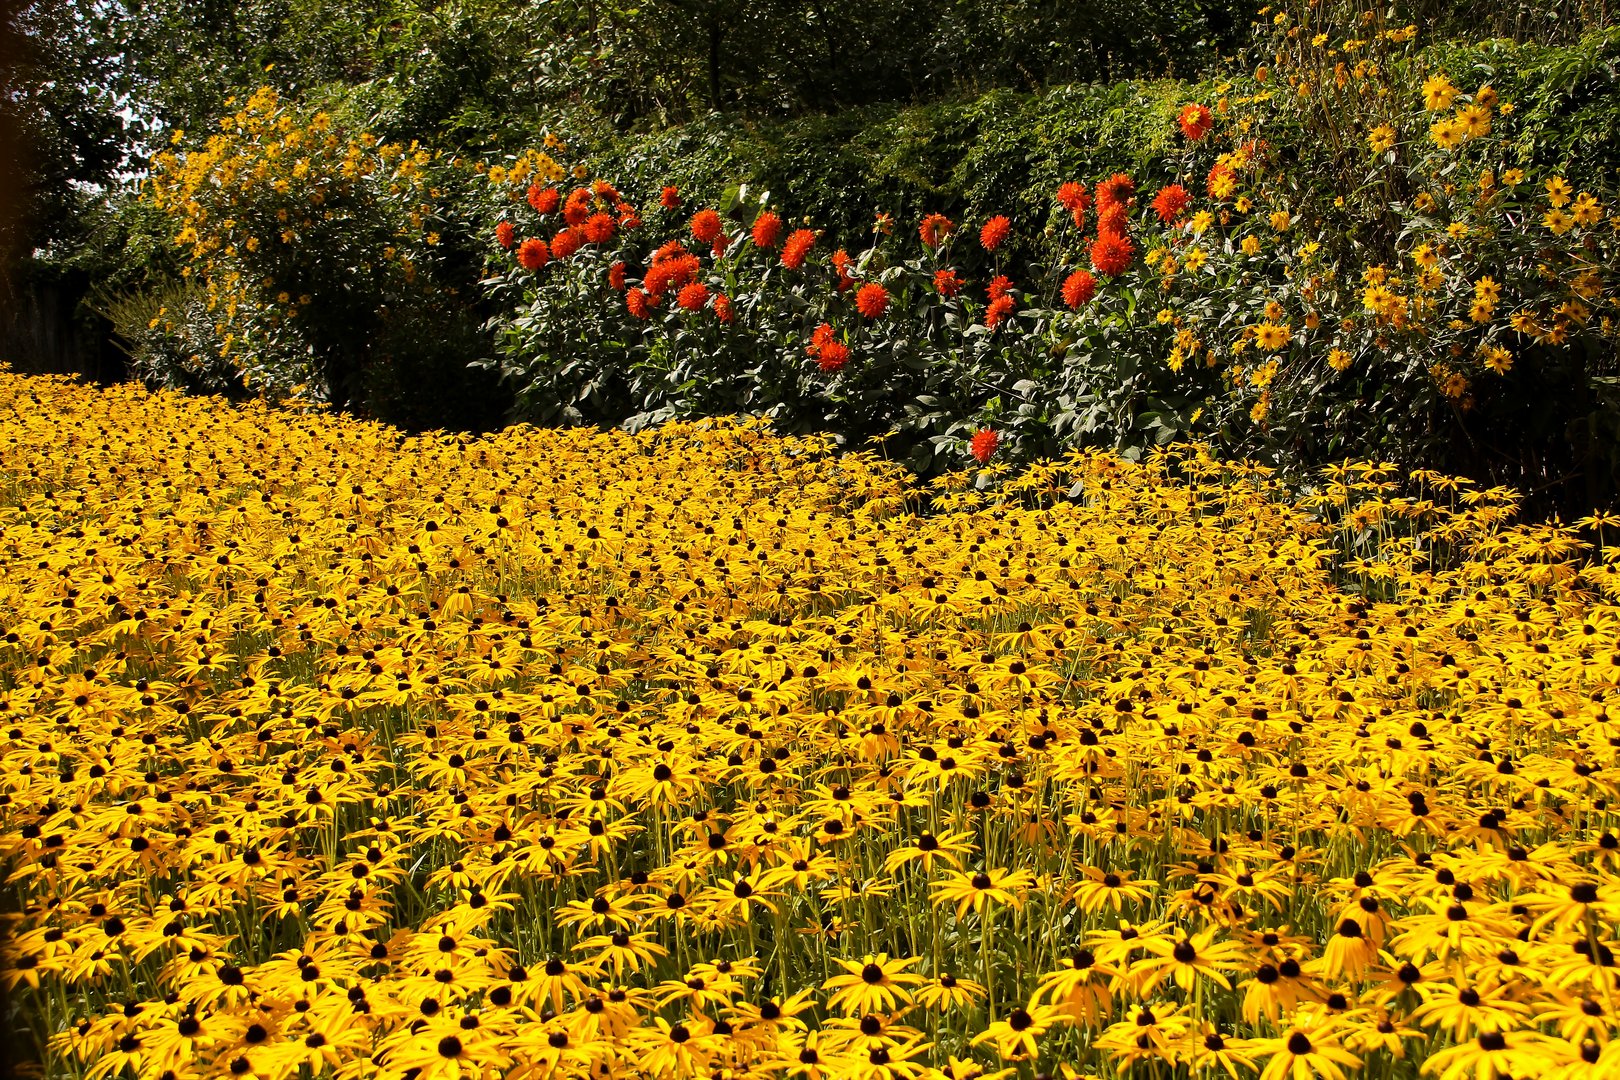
x: 504, y: 234
x: 640, y: 303
x: 999, y: 286
x: 567, y: 242
x: 841, y: 263
x: 1072, y: 196
x: 1078, y: 289
x: 706, y: 226
x: 544, y: 200
x: 1196, y: 122
x: 934, y: 229
x: 797, y: 247
x: 599, y: 228
x: 830, y: 353
x: 1113, y: 218
x: 532, y: 253
x: 1000, y: 308
x: 994, y: 232
x: 670, y: 198
x: 577, y: 207
x: 1117, y: 189
x: 767, y: 230
x: 983, y: 444
x: 872, y: 300
x: 616, y: 276
x: 947, y: 283
x: 722, y: 308
x: 693, y: 297
x: 1111, y: 253
x: 1171, y: 202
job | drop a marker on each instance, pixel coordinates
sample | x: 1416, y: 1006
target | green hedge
x: 1005, y: 152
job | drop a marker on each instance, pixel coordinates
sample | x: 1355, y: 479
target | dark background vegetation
x: 969, y: 107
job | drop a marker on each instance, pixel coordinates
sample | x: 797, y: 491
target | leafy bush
x: 1362, y: 260
x: 331, y: 263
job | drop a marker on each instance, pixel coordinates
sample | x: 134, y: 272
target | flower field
x: 703, y: 751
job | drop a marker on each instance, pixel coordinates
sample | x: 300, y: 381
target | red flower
x: 693, y: 297
x: 1171, y: 202
x: 872, y: 300
x: 577, y: 207
x: 628, y: 218
x: 1111, y: 253
x: 671, y: 271
x: 567, y: 242
x: 994, y: 232
x: 640, y: 303
x: 1078, y: 289
x: 999, y: 286
x: 670, y: 198
x: 706, y: 226
x: 670, y: 250
x: 797, y: 247
x: 1113, y: 218
x: 532, y: 253
x: 722, y: 308
x: 983, y: 444
x: 841, y: 263
x: 1080, y: 218
x: 767, y: 230
x: 1195, y: 121
x: 830, y: 353
x: 935, y: 228
x: 1000, y: 308
x: 616, y: 276
x: 1117, y: 189
x: 605, y: 190
x: 1072, y: 196
x: 599, y: 228
x: 947, y: 282
x: 544, y: 200
x: 504, y: 234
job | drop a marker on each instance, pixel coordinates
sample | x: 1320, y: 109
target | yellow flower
x: 1558, y: 191
x: 1338, y: 359
x: 1381, y: 138
x: 1280, y: 220
x: 1438, y: 93
x: 1558, y: 222
x: 1271, y: 336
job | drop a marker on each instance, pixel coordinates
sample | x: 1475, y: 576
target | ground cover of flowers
x: 331, y: 751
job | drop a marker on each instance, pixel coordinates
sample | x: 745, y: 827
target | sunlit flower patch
x: 329, y: 751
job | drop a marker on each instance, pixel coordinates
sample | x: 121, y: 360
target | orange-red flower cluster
x: 983, y: 444
x: 797, y: 247
x: 994, y: 232
x: 1078, y: 289
x: 693, y: 296
x: 947, y: 282
x: 767, y: 230
x: 544, y: 200
x: 872, y: 300
x: 706, y: 226
x: 1196, y: 122
x: 1171, y: 202
x: 934, y: 229
x: 533, y: 254
x: 505, y: 232
x: 830, y: 354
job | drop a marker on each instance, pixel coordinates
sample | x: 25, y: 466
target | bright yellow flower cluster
x: 329, y: 751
